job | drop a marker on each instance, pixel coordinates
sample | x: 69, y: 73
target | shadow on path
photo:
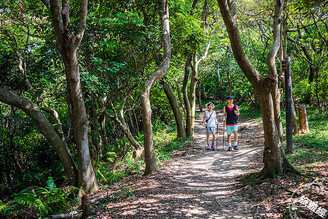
x: 201, y: 185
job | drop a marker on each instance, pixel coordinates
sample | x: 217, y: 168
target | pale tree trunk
x: 68, y: 45
x: 192, y: 91
x: 303, y: 119
x: 46, y: 129
x: 274, y: 159
x: 176, y: 111
x: 186, y: 98
x: 194, y: 75
x: 271, y: 61
x: 150, y: 159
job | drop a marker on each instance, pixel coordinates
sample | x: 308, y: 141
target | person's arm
x: 224, y: 114
x: 237, y: 113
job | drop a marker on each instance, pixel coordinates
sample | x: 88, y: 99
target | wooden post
x: 289, y: 102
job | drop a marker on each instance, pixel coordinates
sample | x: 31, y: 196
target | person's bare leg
x: 235, y: 136
x: 207, y: 137
x: 213, y: 139
x: 229, y: 142
x: 229, y: 138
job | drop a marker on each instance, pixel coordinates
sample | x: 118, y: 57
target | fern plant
x: 43, y: 201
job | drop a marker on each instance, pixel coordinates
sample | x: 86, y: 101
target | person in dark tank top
x: 230, y: 116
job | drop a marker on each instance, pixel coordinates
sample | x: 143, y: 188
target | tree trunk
x: 68, y: 45
x: 186, y: 99
x: 123, y: 126
x: 273, y: 158
x: 46, y: 129
x: 303, y: 119
x: 271, y: 61
x: 284, y: 55
x: 145, y: 92
x: 289, y: 105
x: 229, y: 82
x: 179, y: 96
x: 175, y: 107
x: 192, y: 94
x: 200, y: 97
x: 271, y: 153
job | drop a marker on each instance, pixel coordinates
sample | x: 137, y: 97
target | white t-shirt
x: 212, y: 121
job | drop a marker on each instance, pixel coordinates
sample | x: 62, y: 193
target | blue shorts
x: 210, y: 130
x: 232, y: 128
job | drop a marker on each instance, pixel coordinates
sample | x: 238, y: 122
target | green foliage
x: 312, y: 147
x: 41, y: 201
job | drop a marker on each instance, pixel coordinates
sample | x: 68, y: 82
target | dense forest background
x: 123, y: 46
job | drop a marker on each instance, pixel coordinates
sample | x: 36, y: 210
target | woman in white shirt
x: 210, y: 121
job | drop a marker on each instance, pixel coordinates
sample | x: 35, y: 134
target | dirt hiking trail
x: 198, y: 184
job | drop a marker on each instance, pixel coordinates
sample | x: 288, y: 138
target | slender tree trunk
x: 186, y: 99
x: 229, y: 82
x: 192, y: 94
x: 145, y: 92
x: 175, y: 107
x: 284, y: 55
x: 271, y: 61
x: 200, y: 97
x: 179, y: 96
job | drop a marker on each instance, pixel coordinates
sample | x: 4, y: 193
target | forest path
x: 200, y: 184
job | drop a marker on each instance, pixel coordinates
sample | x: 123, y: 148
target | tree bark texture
x: 271, y: 61
x: 186, y: 98
x: 150, y: 159
x: 46, y: 129
x: 289, y: 105
x: 200, y: 85
x: 181, y: 132
x: 229, y: 82
x: 68, y: 45
x: 272, y: 159
x: 303, y: 119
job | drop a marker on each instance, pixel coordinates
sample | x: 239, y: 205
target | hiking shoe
x: 229, y: 149
x: 208, y: 147
x: 235, y: 147
x: 213, y: 147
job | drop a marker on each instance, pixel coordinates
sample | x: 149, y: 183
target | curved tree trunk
x: 175, y: 107
x: 150, y: 159
x: 186, y: 99
x: 271, y: 61
x: 46, y: 129
x: 68, y: 45
x: 273, y: 155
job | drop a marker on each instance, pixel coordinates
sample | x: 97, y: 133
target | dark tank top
x: 232, y: 118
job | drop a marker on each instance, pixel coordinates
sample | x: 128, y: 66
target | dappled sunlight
x: 202, y: 184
